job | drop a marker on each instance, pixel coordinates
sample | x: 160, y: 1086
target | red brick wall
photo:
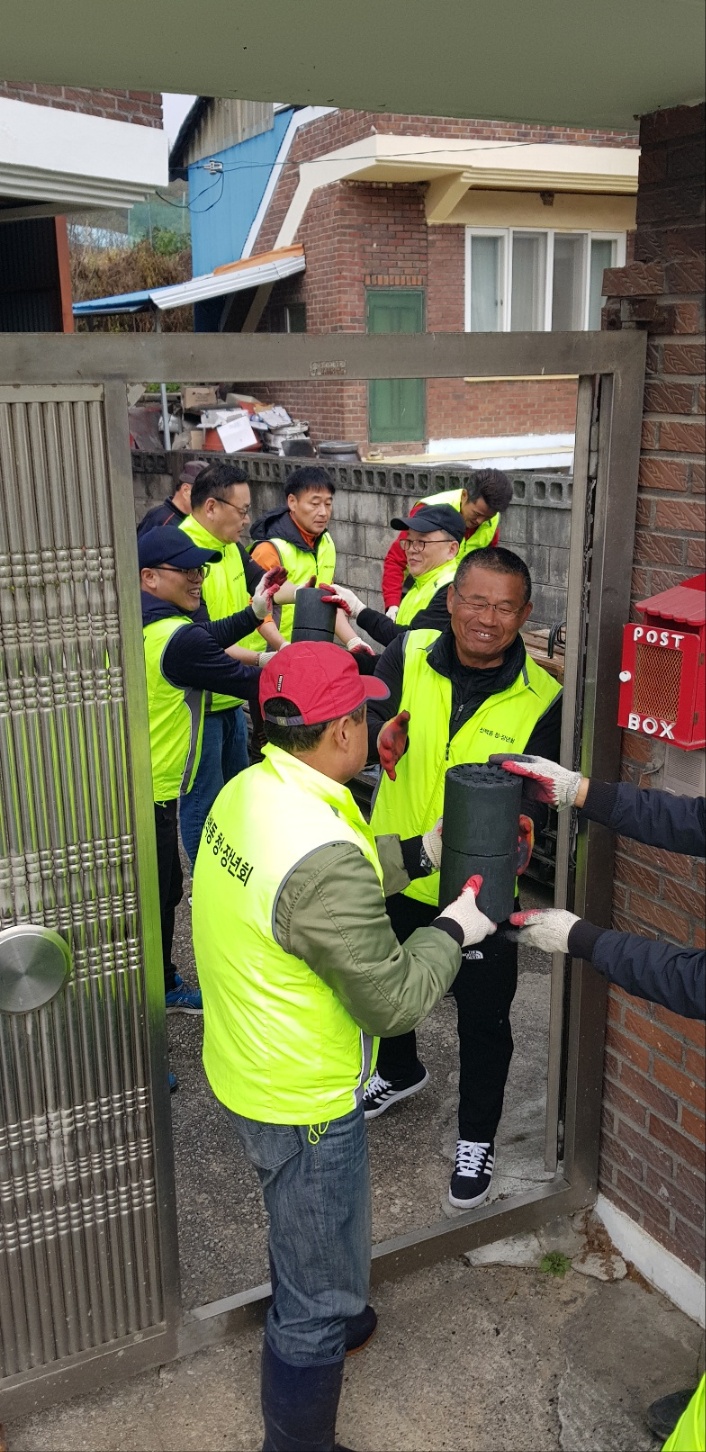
x: 652, y: 1162
x: 362, y: 234
x: 142, y: 107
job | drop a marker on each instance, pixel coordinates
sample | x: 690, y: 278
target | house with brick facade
x: 64, y: 149
x: 416, y: 224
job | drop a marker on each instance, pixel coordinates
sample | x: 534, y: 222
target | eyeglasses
x: 242, y: 512
x: 193, y: 576
x: 475, y: 605
x: 421, y: 544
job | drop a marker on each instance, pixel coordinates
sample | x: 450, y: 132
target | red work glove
x: 271, y: 582
x: 525, y: 844
x: 392, y: 743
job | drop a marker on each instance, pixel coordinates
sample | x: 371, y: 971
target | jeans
x: 224, y: 752
x: 316, y: 1187
x: 170, y: 880
x: 484, y: 988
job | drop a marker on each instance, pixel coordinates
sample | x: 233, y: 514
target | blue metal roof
x: 122, y: 302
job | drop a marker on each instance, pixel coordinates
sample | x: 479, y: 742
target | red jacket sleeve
x: 394, y: 568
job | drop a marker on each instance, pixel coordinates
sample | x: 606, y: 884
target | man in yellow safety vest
x: 431, y: 543
x: 297, y: 536
x: 457, y: 696
x: 480, y: 504
x: 300, y: 971
x: 185, y: 659
x: 220, y: 508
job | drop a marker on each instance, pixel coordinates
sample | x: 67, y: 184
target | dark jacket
x: 161, y: 514
x: 660, y: 972
x: 469, y: 689
x: 379, y: 627
x: 278, y: 524
x: 194, y: 656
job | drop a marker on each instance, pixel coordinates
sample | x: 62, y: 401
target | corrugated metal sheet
x: 224, y: 122
x: 256, y: 271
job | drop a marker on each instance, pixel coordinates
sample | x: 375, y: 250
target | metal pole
x: 163, y: 392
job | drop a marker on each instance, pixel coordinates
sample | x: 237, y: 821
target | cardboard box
x: 195, y: 397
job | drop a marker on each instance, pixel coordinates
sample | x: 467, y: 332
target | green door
x: 395, y: 405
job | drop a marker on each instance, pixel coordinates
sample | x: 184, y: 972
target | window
x: 395, y: 405
x: 530, y: 281
x: 291, y: 318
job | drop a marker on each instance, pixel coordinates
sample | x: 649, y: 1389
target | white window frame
x: 506, y: 235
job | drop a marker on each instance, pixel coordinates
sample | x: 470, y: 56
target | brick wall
x: 652, y: 1162
x: 358, y: 235
x: 144, y: 108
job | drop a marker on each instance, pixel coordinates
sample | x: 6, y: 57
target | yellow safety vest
x: 224, y: 593
x: 175, y: 716
x: 423, y: 590
x: 689, y: 1435
x: 481, y: 537
x: 504, y: 722
x: 300, y: 566
x: 279, y: 1046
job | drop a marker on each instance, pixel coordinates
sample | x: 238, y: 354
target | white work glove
x: 266, y: 589
x: 344, y: 599
x: 546, y: 928
x: 391, y: 612
x: 358, y: 646
x: 264, y: 658
x: 431, y: 843
x: 544, y: 780
x: 474, y: 924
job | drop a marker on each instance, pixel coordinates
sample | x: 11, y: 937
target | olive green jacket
x: 331, y: 914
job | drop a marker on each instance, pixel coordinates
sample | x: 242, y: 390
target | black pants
x: 484, y: 989
x: 171, y: 882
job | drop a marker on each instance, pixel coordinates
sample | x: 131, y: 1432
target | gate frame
x: 610, y: 371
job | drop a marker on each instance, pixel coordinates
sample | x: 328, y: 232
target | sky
x: 175, y: 108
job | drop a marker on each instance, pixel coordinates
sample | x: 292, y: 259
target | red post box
x: 662, y: 678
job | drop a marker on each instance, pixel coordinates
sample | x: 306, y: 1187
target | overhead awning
x: 266, y: 268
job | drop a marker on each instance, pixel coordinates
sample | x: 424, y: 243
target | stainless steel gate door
x: 88, y: 1268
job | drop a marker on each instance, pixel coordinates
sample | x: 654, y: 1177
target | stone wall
x: 537, y: 525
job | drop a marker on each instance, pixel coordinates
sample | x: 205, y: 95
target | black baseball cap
x: 172, y: 547
x: 431, y: 517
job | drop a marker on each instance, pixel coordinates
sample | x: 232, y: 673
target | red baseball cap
x: 321, y: 679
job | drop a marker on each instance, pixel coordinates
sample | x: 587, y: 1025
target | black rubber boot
x: 662, y: 1416
x: 299, y: 1403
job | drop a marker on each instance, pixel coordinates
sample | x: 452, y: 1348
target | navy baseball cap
x: 167, y: 546
x: 431, y: 517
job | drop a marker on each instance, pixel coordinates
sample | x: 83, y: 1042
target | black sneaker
x: 662, y: 1416
x: 471, y: 1179
x: 381, y: 1093
x: 360, y: 1330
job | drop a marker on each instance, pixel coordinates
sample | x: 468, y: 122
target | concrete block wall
x: 537, y: 525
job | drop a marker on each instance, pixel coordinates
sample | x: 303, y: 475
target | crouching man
x: 300, y: 972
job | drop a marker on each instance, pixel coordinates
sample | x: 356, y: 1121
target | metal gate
x: 85, y: 1268
x: 88, y: 1259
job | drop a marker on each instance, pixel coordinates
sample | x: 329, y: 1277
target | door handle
x: 35, y: 963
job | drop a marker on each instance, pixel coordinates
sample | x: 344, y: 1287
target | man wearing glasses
x: 431, y: 546
x: 220, y: 509
x: 457, y: 696
x: 184, y: 660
